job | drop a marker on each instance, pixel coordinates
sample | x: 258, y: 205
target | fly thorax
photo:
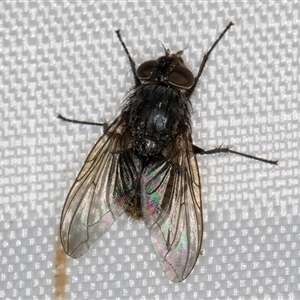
x: 152, y: 127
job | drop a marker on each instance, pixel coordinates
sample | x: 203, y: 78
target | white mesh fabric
x: 65, y: 57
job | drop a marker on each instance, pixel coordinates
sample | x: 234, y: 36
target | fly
x: 145, y: 165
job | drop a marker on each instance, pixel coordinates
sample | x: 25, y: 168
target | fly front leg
x: 190, y: 91
x: 131, y: 61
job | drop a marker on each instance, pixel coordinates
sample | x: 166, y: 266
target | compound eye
x: 145, y: 69
x: 181, y: 77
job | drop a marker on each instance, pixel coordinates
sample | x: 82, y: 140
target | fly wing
x: 171, y: 203
x: 100, y: 192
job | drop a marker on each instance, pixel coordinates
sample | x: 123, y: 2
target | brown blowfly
x: 145, y: 165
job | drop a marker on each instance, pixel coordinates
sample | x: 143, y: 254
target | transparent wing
x: 171, y: 203
x: 100, y: 192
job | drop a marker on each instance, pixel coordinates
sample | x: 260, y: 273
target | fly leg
x: 131, y: 61
x: 190, y: 91
x: 104, y: 124
x: 201, y: 151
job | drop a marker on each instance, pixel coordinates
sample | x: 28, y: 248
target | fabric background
x: 64, y: 57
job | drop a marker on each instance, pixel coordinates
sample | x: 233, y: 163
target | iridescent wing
x: 101, y: 191
x: 171, y: 203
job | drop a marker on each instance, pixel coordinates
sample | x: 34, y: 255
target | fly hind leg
x: 201, y: 151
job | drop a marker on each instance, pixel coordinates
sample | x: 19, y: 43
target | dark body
x: 156, y: 114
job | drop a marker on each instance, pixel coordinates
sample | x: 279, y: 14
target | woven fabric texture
x: 64, y: 57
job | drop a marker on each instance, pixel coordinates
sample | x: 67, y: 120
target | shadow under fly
x: 145, y: 165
